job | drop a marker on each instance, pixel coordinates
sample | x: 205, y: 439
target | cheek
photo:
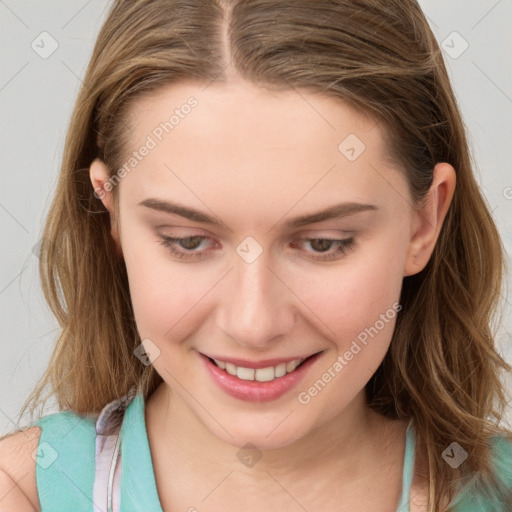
x: 357, y: 296
x: 163, y: 291
x: 357, y: 305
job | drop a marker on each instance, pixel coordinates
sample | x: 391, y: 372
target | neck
x: 346, y: 443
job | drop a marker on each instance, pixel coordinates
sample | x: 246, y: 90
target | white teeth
x: 264, y: 374
x: 220, y: 364
x: 245, y: 373
x: 231, y: 368
x: 292, y: 365
x: 280, y: 370
x: 260, y: 374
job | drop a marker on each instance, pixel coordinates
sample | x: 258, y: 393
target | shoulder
x: 18, y: 487
x: 490, y: 494
x: 501, y: 459
x: 35, y: 460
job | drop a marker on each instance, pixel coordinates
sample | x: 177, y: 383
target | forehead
x: 246, y: 139
x: 288, y: 118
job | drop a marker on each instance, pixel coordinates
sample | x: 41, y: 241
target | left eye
x: 321, y: 247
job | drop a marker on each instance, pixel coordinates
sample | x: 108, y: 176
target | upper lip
x: 265, y: 363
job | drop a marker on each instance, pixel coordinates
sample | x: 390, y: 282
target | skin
x: 254, y: 159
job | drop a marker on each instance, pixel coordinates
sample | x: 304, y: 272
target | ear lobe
x: 428, y: 219
x: 100, y: 180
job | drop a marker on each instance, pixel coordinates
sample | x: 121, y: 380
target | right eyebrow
x: 182, y: 211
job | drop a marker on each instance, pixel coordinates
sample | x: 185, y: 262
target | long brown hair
x: 442, y: 368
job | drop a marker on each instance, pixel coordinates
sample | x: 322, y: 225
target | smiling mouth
x: 268, y: 374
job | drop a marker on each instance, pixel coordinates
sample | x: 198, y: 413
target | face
x: 230, y: 255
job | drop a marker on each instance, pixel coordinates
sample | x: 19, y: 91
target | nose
x: 255, y: 307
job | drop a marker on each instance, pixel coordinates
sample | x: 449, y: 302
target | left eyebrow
x: 336, y: 211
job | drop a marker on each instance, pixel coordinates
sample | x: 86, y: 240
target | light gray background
x: 36, y: 98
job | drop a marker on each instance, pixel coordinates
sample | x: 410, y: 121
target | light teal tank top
x: 66, y: 465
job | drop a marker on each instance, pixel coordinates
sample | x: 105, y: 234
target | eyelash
x: 344, y: 246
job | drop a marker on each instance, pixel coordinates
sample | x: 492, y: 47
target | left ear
x: 428, y: 219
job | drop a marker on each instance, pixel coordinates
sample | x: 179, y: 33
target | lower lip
x: 255, y: 391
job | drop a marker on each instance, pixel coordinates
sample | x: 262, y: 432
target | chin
x: 264, y: 435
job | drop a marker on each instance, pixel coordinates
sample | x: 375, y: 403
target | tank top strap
x: 475, y: 496
x: 65, y: 462
x: 78, y: 459
x: 408, y: 469
x: 138, y: 490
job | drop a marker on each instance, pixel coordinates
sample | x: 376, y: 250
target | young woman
x: 274, y: 270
